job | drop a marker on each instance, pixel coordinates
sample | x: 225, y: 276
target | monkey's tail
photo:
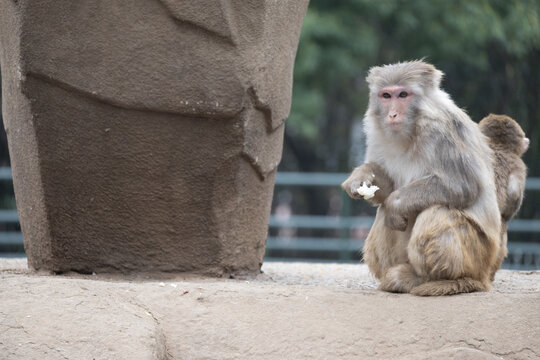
x: 450, y: 287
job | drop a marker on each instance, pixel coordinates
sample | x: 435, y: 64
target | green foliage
x: 489, y: 50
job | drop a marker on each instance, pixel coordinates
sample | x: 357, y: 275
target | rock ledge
x: 291, y: 311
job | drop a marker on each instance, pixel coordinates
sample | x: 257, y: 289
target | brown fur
x: 449, y: 287
x: 437, y: 230
x: 507, y: 140
x: 506, y: 137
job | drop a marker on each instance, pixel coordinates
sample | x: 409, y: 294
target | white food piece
x: 367, y: 191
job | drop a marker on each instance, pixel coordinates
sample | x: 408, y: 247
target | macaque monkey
x: 508, y: 142
x: 437, y: 228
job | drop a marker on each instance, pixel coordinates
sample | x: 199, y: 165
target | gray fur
x: 442, y: 211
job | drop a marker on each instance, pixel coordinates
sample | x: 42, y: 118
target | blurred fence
x: 521, y: 255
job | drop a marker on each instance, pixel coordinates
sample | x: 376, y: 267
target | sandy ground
x: 291, y: 311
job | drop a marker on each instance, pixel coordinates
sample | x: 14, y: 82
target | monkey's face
x: 395, y: 102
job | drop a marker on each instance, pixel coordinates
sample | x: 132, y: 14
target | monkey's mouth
x: 395, y: 125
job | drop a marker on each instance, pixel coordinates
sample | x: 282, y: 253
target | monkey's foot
x: 400, y: 279
x: 450, y: 287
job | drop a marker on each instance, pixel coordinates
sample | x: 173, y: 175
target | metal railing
x: 522, y: 255
x: 519, y: 252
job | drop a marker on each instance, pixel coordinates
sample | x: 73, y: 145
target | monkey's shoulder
x: 506, y: 162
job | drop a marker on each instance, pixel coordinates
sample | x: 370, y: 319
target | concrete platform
x: 292, y: 311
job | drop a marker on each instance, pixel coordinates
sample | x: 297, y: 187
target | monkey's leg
x: 503, y: 251
x: 401, y: 278
x: 450, y: 253
x: 384, y: 247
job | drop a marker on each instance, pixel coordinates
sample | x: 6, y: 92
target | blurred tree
x: 489, y: 50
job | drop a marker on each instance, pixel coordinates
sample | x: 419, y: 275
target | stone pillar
x: 144, y: 135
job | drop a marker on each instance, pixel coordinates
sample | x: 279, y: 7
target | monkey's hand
x: 369, y: 174
x: 395, y: 218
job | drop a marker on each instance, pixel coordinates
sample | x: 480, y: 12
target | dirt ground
x: 291, y: 311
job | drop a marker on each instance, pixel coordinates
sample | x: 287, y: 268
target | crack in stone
x: 160, y: 337
x: 481, y: 348
x: 518, y: 352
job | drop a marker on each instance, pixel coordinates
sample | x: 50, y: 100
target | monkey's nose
x: 526, y: 141
x: 392, y: 115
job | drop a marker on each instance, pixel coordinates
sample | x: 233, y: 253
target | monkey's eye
x: 386, y: 95
x: 403, y: 94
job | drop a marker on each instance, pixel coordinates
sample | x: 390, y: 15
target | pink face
x: 395, y: 101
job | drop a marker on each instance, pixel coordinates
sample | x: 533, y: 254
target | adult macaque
x: 438, y: 226
x: 508, y: 142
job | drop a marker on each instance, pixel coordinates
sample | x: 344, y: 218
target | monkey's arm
x: 372, y: 174
x: 458, y: 188
x: 515, y: 190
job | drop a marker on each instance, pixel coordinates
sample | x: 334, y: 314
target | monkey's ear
x: 373, y: 73
x: 437, y: 77
x: 432, y: 75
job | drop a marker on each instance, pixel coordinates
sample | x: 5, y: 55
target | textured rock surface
x: 292, y: 311
x: 144, y: 136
